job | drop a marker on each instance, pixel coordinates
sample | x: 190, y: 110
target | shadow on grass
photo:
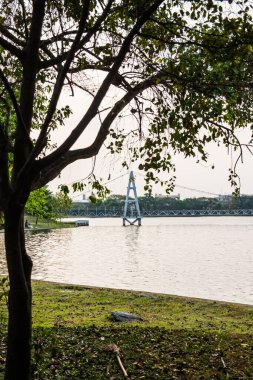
x: 179, y: 338
x: 147, y: 353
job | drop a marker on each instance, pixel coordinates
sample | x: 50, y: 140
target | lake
x: 206, y: 257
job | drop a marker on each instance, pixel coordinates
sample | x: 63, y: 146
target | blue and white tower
x: 131, y: 210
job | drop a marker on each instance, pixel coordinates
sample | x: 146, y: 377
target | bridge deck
x: 100, y: 213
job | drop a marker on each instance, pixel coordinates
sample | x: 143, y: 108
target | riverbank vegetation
x: 43, y: 205
x: 43, y: 224
x: 75, y: 336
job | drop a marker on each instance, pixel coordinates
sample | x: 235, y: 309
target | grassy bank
x: 178, y: 338
x: 44, y: 225
x: 47, y: 224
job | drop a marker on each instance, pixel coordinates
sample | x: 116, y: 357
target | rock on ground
x: 121, y: 316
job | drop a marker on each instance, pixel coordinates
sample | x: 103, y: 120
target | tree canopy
x: 36, y: 204
x: 44, y: 205
x: 182, y: 70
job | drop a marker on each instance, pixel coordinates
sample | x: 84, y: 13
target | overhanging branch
x: 49, y: 172
x: 92, y: 111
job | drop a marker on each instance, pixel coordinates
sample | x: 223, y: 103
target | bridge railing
x: 118, y: 213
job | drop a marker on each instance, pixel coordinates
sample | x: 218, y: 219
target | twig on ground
x: 223, y: 362
x: 114, y: 348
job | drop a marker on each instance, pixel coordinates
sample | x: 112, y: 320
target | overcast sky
x: 189, y: 173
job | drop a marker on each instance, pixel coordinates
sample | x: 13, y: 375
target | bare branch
x: 230, y: 134
x: 77, y: 85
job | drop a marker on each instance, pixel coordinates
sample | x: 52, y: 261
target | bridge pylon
x: 131, y: 212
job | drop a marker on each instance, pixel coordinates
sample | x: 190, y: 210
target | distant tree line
x: 151, y: 203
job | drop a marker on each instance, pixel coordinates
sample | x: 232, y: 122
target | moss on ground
x: 179, y: 338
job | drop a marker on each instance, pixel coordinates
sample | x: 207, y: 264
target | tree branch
x: 58, y: 37
x: 61, y: 58
x: 92, y: 111
x: 49, y: 172
x: 118, y: 107
x: 14, y: 102
x: 4, y: 170
x: 30, y: 66
x: 27, y: 92
x: 60, y: 81
x: 12, y: 49
x: 24, y: 17
x: 181, y: 43
x: 6, y: 32
x: 228, y: 134
x: 165, y: 25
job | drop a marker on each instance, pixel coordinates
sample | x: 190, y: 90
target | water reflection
x: 132, y: 245
x: 187, y: 256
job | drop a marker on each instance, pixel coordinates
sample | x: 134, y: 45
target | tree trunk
x: 18, y: 366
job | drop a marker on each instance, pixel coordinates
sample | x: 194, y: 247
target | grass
x: 44, y: 224
x: 178, y: 338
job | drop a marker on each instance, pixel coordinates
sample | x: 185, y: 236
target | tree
x: 37, y: 204
x: 43, y: 204
x: 183, y: 70
x: 62, y: 203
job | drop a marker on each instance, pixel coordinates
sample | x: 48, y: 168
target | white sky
x: 189, y: 173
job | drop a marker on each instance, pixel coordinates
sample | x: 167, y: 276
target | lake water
x: 206, y: 257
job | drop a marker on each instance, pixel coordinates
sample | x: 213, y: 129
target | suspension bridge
x: 176, y: 185
x: 131, y: 212
x: 100, y: 212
